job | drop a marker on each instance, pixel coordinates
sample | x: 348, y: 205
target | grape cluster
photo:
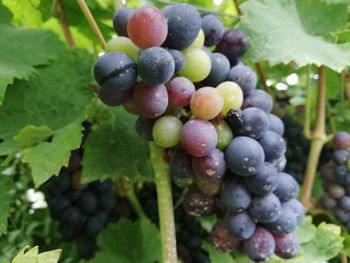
x: 336, y: 178
x: 82, y: 211
x: 229, y: 149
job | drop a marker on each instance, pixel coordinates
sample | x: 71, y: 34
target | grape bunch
x: 336, y: 179
x: 228, y: 147
x: 82, y: 211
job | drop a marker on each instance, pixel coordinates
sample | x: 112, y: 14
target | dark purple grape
x: 233, y: 45
x: 213, y: 30
x: 245, y: 77
x: 235, y: 195
x: 341, y: 156
x: 155, y: 65
x: 342, y: 174
x: 276, y: 124
x: 58, y: 205
x: 222, y: 239
x: 259, y: 99
x: 265, y: 209
x: 151, y: 101
x: 328, y: 171
x: 180, y: 91
x: 120, y: 20
x: 88, y: 202
x: 287, y: 246
x: 336, y: 191
x: 287, y: 187
x: 297, y: 208
x: 71, y: 216
x: 285, y: 223
x: 342, y: 215
x: 181, y: 168
x: 115, y: 71
x: 260, y: 246
x: 264, y: 181
x: 273, y: 144
x: 280, y: 163
x: 184, y: 23
x: 255, y: 123
x: 93, y: 226
x: 144, y: 127
x: 101, y: 187
x: 178, y: 59
x: 209, y: 171
x: 341, y: 140
x: 196, y: 203
x: 344, y: 203
x: 244, y: 156
x: 220, y: 67
x: 73, y: 194
x: 59, y: 184
x: 106, y: 201
x: 113, y: 97
x: 198, y: 137
x: 235, y: 119
x: 327, y: 202
x: 240, y: 225
x: 86, y: 247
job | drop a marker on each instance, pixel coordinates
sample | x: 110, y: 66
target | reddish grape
x: 196, y: 203
x: 206, y: 103
x: 222, y: 239
x: 260, y: 246
x: 341, y: 140
x: 180, y: 91
x: 287, y: 246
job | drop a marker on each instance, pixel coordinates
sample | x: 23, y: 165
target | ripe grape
x: 184, y: 23
x: 273, y: 144
x: 209, y: 171
x: 255, y: 123
x: 280, y: 163
x: 297, y: 208
x: 259, y: 99
x: 232, y: 94
x: 342, y: 175
x: 342, y: 215
x: 341, y: 156
x: 147, y: 27
x: 220, y: 67
x: 344, y: 203
x: 244, y: 156
x: 224, y: 133
x: 101, y: 187
x: 130, y: 106
x: 144, y: 127
x: 151, y: 100
x: 106, y: 201
x: 336, y: 191
x: 115, y: 70
x: 112, y: 97
x: 180, y: 91
x: 244, y: 76
x: 123, y: 45
x: 93, y: 226
x: 198, y: 42
x: 240, y: 225
x: 197, y: 59
x: 213, y: 29
x: 199, y: 137
x: 196, y: 203
x: 285, y: 223
x: 265, y: 209
x: 222, y: 239
x: 260, y: 246
x: 276, y: 124
x: 120, y: 20
x: 178, y: 59
x: 287, y: 187
x: 58, y: 205
x: 88, y: 202
x: 234, y: 119
x: 71, y: 216
x: 167, y: 131
x: 60, y: 183
x: 206, y: 103
x: 181, y: 168
x: 341, y: 140
x: 287, y: 245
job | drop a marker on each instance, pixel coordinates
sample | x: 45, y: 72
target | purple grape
x: 276, y: 124
x: 327, y: 202
x: 255, y: 123
x: 240, y: 225
x: 273, y: 144
x: 342, y: 174
x: 245, y: 77
x: 113, y: 97
x: 120, y: 20
x: 280, y: 163
x: 196, y: 203
x: 342, y: 215
x: 222, y: 239
x: 259, y: 99
x: 180, y: 91
x: 341, y: 140
x: 178, y: 59
x: 341, y: 156
x: 181, y: 168
x: 287, y: 246
x: 336, y: 191
x: 328, y: 172
x: 260, y: 246
x: 265, y: 209
x: 298, y: 209
x: 144, y: 127
x: 213, y: 29
x: 285, y: 223
x: 235, y: 195
x: 220, y: 67
x: 287, y: 187
x: 344, y: 203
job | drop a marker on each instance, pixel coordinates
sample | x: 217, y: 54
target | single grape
x: 280, y: 163
x: 123, y: 45
x: 197, y: 59
x: 222, y: 239
x: 206, y: 103
x: 220, y: 67
x: 184, y: 23
x: 58, y: 205
x: 276, y: 124
x: 167, y: 131
x: 180, y: 91
x: 273, y: 144
x: 342, y: 215
x: 235, y: 195
x: 285, y: 223
x: 88, y: 202
x: 115, y: 70
x: 71, y: 216
x: 341, y: 156
x: 120, y: 20
x: 265, y: 209
x: 232, y: 94
x: 344, y: 203
x: 213, y: 29
x: 234, y: 119
x: 264, y: 181
x: 244, y: 156
x: 259, y: 99
x: 287, y: 187
x: 255, y: 123
x: 327, y: 202
x: 113, y: 97
x: 178, y: 59
x: 297, y: 208
x: 196, y: 203
x: 287, y: 245
x: 224, y: 133
x: 130, y: 106
x: 147, y: 27
x: 199, y: 41
x: 336, y: 191
x: 209, y: 171
x: 342, y: 174
x: 73, y: 194
x: 198, y: 137
x: 106, y: 201
x: 245, y: 77
x: 151, y: 100
x: 260, y: 246
x: 181, y: 168
x: 100, y: 187
x: 93, y: 226
x: 240, y: 225
x: 59, y: 184
x: 144, y: 127
x: 341, y: 140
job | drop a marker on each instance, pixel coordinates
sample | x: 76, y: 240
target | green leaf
x: 217, y: 256
x: 114, y: 151
x: 306, y: 231
x: 23, y: 49
x: 31, y: 135
x: 5, y: 15
x: 55, y: 97
x: 280, y: 33
x: 129, y: 242
x: 6, y: 184
x: 46, y: 159
x: 33, y: 256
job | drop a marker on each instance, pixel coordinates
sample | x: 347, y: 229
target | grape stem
x: 165, y: 204
x: 89, y: 17
x: 64, y: 23
x: 262, y: 77
x: 307, y: 120
x: 318, y: 139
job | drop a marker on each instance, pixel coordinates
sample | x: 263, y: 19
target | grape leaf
x: 33, y: 256
x: 47, y: 158
x: 280, y: 32
x: 217, y: 256
x: 6, y: 184
x: 129, y: 242
x: 5, y: 15
x: 306, y: 231
x: 21, y: 50
x: 114, y: 151
x: 31, y: 135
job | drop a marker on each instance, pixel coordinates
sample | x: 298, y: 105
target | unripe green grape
x: 232, y: 94
x: 197, y: 65
x: 124, y: 45
x: 198, y: 42
x: 224, y: 134
x: 167, y: 131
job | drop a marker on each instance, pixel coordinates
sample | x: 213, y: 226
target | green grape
x: 198, y: 42
x: 197, y: 64
x: 124, y: 45
x: 232, y: 94
x: 224, y: 132
x: 167, y: 131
